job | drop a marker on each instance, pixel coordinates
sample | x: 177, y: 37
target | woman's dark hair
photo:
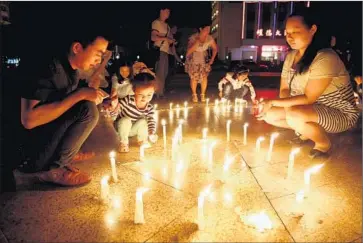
x: 238, y: 70
x: 319, y: 41
x: 143, y: 80
x: 202, y: 26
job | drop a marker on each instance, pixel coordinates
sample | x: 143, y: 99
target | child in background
x: 236, y: 84
x: 136, y: 117
x: 121, y: 82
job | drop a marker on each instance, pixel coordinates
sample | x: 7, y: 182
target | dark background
x: 37, y: 24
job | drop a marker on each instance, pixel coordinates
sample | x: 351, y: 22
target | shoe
x: 65, y: 176
x: 124, y: 148
x: 195, y: 98
x: 317, y: 154
x: 202, y: 97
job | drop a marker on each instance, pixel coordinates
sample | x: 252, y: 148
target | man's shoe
x: 317, y: 154
x: 65, y: 176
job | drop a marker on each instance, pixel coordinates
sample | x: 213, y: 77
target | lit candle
x: 205, y: 131
x: 207, y: 102
x: 258, y: 143
x: 290, y: 167
x: 245, y: 126
x: 228, y: 130
x: 216, y: 103
x: 201, y: 199
x: 272, y: 140
x: 260, y: 221
x: 297, y: 210
x: 177, y: 111
x: 139, y: 206
x: 142, y: 150
x: 207, y: 113
x: 227, y: 162
x: 155, y: 106
x: 163, y: 123
x: 179, y: 166
x: 113, y: 166
x: 210, y: 156
x: 181, y: 121
x: 174, y: 144
x: 171, y: 106
x: 185, y: 105
x: 171, y: 116
x: 307, y: 175
x: 105, y: 189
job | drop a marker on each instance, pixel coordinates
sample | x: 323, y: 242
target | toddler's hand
x: 153, y: 138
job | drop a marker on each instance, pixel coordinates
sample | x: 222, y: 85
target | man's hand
x: 92, y: 94
x: 153, y: 138
x: 210, y: 62
x: 107, y: 55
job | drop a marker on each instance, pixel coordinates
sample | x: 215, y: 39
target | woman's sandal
x: 123, y: 148
x: 202, y: 97
x: 317, y: 154
x: 195, y: 98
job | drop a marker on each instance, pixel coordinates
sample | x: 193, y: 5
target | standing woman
x: 316, y: 96
x: 196, y: 64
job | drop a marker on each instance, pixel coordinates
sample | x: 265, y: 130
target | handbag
x: 154, y: 52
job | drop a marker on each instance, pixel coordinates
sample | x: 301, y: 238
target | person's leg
x: 59, y: 141
x: 140, y: 129
x: 204, y: 85
x: 227, y: 91
x: 161, y: 72
x: 276, y: 116
x: 304, y: 119
x: 193, y: 87
x: 124, y: 125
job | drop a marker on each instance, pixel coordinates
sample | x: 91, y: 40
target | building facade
x: 252, y: 30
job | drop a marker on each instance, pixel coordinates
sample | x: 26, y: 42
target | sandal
x: 317, y: 154
x: 124, y: 148
x: 195, y: 98
x: 202, y: 97
x: 83, y: 156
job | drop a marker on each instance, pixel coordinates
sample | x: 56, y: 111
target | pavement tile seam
x: 264, y: 193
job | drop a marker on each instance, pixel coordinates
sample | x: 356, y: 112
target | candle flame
x: 155, y: 106
x: 163, y: 122
x: 315, y: 169
x: 112, y: 154
x: 147, y: 176
x: 116, y: 202
x: 185, y: 104
x: 260, y: 221
x: 294, y: 151
x: 228, y: 197
x: 179, y: 166
x: 274, y: 135
x: 104, y: 180
x: 245, y: 125
x: 300, y: 196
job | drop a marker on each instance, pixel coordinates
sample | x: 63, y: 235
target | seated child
x: 136, y: 117
x: 236, y: 84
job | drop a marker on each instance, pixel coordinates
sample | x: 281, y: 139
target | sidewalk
x: 332, y: 210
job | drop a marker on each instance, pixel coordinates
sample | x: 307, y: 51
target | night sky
x: 129, y: 22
